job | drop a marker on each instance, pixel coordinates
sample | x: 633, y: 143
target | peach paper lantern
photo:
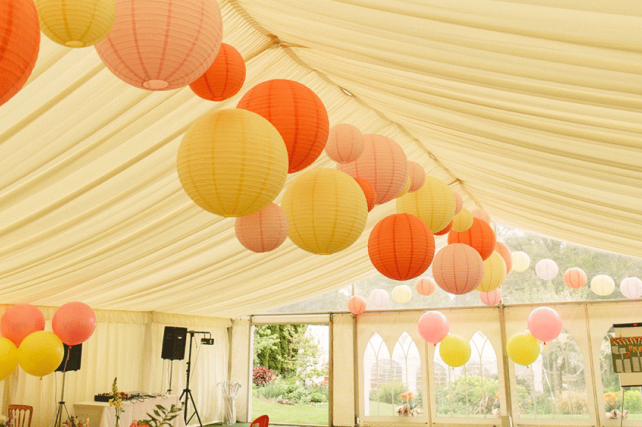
x: 357, y: 305
x: 401, y: 247
x: 492, y: 297
x: 481, y: 214
x: 224, y: 78
x: 19, y: 45
x: 405, y: 188
x: 458, y: 268
x: 264, y: 230
x: 445, y: 230
x: 479, y: 236
x: 425, y: 286
x: 631, y: 287
x: 575, y: 278
x: 297, y: 113
x: 602, y: 285
x: 368, y: 191
x: 345, y: 143
x: 417, y: 176
x: 463, y: 220
x: 433, y: 203
x: 162, y: 44
x: 546, y: 269
x: 494, y: 273
x: 503, y: 250
x: 521, y: 261
x: 383, y: 164
x: 459, y: 203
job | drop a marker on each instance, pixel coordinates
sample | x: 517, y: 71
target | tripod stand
x: 187, y: 393
x: 61, y: 403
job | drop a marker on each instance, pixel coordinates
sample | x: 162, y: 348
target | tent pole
x: 598, y: 410
x: 505, y: 361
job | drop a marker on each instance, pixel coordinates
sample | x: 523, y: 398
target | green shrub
x: 571, y: 403
x: 318, y: 398
x: 389, y: 392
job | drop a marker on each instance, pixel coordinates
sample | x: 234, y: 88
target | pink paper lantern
x: 631, y: 287
x: 481, y: 214
x: 357, y: 305
x: 162, y: 44
x: 575, y: 278
x: 345, y: 143
x: 417, y: 176
x: 545, y: 324
x: 74, y: 323
x: 503, y: 250
x: 433, y: 326
x: 264, y: 230
x: 546, y: 269
x: 459, y: 203
x: 383, y: 164
x: 458, y: 268
x: 492, y: 297
x: 378, y: 298
x: 21, y: 320
x: 425, y: 286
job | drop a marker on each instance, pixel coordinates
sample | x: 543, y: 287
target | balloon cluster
x: 434, y: 327
x: 24, y: 340
x: 544, y: 324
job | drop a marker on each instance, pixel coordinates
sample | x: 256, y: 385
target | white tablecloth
x: 100, y: 414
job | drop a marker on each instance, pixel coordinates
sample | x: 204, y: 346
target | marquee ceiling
x: 529, y: 108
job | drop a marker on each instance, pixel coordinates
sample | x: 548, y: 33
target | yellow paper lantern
x: 232, y: 162
x: 401, y: 294
x: 326, y: 209
x: 463, y: 220
x: 76, y: 23
x: 433, y: 203
x: 494, y: 273
x: 454, y: 350
x: 523, y: 348
x: 405, y: 188
x: 521, y: 261
x: 602, y: 285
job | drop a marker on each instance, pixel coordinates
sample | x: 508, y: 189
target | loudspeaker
x: 174, y: 343
x: 75, y: 356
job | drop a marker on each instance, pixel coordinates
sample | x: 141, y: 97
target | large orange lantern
x: 503, y: 250
x: 224, y: 78
x: 264, y: 230
x: 19, y: 45
x: 401, y: 246
x: 417, y: 176
x: 368, y: 191
x: 575, y: 278
x: 162, y: 44
x: 480, y: 236
x: 345, y: 143
x: 458, y: 268
x: 297, y: 113
x: 433, y: 203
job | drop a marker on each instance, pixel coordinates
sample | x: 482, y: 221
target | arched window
x: 405, y: 355
x: 376, y: 374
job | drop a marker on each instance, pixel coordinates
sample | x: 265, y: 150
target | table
x: 100, y: 414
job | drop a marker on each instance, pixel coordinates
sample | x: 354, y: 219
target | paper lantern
x: 417, y: 176
x: 297, y: 113
x: 523, y: 348
x: 401, y: 294
x: 479, y: 236
x: 494, y: 273
x: 401, y: 247
x: 602, y: 285
x: 433, y: 326
x: 481, y: 214
x: 263, y: 231
x: 503, y: 250
x: 454, y: 351
x: 19, y: 45
x: 159, y: 45
x: 459, y: 203
x: 76, y: 23
x: 545, y: 324
x: 224, y: 78
x: 433, y: 203
x: 425, y: 286
x: 631, y: 287
x: 521, y: 261
x: 345, y: 143
x: 492, y: 297
x: 368, y: 191
x: 575, y: 278
x: 232, y: 162
x: 378, y: 298
x: 357, y: 305
x: 462, y: 221
x: 458, y: 268
x: 405, y: 188
x: 546, y: 269
x: 326, y: 209
x: 383, y: 164
x: 445, y: 230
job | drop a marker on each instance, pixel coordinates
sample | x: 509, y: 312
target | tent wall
x: 241, y: 366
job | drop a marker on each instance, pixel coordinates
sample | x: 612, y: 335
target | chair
x: 20, y: 415
x: 262, y: 421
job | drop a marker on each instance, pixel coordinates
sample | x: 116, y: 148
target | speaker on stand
x: 174, y: 339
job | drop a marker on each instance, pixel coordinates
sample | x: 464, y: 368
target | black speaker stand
x: 171, y: 374
x: 61, y: 406
x: 187, y: 393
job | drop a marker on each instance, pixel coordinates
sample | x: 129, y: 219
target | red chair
x: 262, y: 421
x: 20, y: 415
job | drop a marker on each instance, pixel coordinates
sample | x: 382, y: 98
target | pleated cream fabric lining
x: 532, y: 109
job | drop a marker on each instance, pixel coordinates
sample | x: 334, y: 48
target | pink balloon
x: 20, y: 321
x: 545, y: 324
x: 74, y: 323
x: 433, y: 326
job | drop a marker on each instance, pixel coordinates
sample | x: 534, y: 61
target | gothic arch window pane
x: 377, y: 373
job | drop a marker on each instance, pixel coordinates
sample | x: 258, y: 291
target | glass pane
x: 378, y: 374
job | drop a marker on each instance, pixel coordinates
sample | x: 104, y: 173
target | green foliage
x: 632, y: 401
x: 274, y: 347
x: 389, y: 392
x: 161, y: 416
x: 291, y: 392
x: 469, y: 394
x: 570, y: 402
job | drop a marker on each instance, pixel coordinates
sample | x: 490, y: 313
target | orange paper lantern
x: 503, y: 250
x: 575, y: 278
x: 224, y: 78
x: 345, y: 143
x: 481, y: 214
x: 264, y: 230
x: 297, y: 113
x: 459, y: 203
x: 417, y: 176
x: 401, y: 246
x: 458, y: 268
x: 357, y: 305
x: 445, y: 230
x: 383, y: 164
x: 480, y: 236
x: 425, y: 286
x: 371, y: 196
x: 19, y: 45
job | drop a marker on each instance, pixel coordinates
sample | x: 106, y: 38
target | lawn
x: 295, y: 414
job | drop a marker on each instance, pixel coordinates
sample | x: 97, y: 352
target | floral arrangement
x: 116, y: 400
x: 4, y: 421
x: 75, y: 422
x: 161, y: 417
x: 407, y: 396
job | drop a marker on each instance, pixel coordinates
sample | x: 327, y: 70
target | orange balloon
x: 371, y: 196
x: 401, y: 246
x: 19, y: 45
x: 503, y: 250
x: 480, y: 236
x: 224, y: 78
x: 458, y: 268
x: 297, y: 113
x: 445, y: 230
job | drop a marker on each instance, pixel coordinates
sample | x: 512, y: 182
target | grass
x: 295, y: 414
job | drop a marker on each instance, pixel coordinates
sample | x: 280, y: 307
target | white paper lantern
x: 631, y: 287
x: 521, y: 261
x: 378, y: 299
x: 546, y: 269
x: 602, y: 285
x: 401, y: 294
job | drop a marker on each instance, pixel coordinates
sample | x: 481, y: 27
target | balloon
x: 8, y: 357
x: 40, y: 353
x: 523, y: 348
x: 357, y: 305
x: 454, y: 351
x: 74, y: 323
x: 378, y: 298
x: 21, y: 320
x: 433, y: 326
x: 545, y: 324
x: 401, y: 294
